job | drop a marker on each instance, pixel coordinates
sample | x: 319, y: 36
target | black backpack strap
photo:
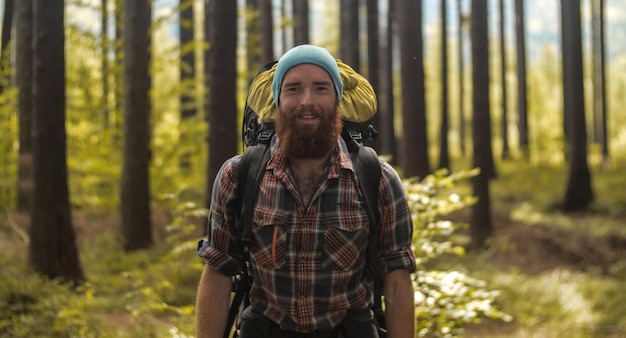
x: 367, y: 167
x: 251, y: 169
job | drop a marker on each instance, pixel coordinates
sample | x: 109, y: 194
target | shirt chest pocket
x: 346, y: 234
x: 269, y: 242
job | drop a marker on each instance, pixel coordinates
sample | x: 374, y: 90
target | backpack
x: 360, y: 139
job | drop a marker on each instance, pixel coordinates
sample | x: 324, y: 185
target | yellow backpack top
x: 358, y: 103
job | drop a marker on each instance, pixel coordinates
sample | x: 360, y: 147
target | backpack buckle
x: 265, y: 136
x: 355, y: 135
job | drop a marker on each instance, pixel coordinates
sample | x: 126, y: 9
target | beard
x: 314, y: 142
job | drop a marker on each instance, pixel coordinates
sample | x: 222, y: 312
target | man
x: 310, y: 228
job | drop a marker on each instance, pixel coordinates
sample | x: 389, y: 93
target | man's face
x: 308, y: 122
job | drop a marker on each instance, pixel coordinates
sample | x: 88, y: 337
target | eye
x: 291, y: 89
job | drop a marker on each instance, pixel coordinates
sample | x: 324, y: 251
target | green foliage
x: 446, y: 301
x: 32, y: 306
x: 140, y: 294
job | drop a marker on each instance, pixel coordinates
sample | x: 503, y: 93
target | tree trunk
x: 267, y: 31
x: 301, y: 22
x: 284, y: 25
x: 386, y: 134
x: 253, y: 40
x: 24, y: 80
x: 135, y: 191
x: 568, y: 78
x: 222, y: 87
x: 461, y: 37
x: 52, y: 247
x: 7, y: 23
x: 187, y: 60
x: 415, y: 161
x: 522, y: 119
x: 579, y: 193
x: 104, y: 46
x: 444, y: 158
x: 118, y: 70
x: 373, y: 50
x: 349, y: 28
x: 481, y: 223
x: 599, y: 83
x: 187, y: 75
x: 504, y: 122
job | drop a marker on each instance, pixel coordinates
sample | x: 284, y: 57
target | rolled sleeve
x: 396, y: 224
x: 218, y: 260
x: 222, y: 251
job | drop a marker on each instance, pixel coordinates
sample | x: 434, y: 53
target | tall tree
x: 522, y: 119
x: 267, y: 31
x: 104, y: 46
x: 301, y: 22
x: 349, y: 33
x: 599, y: 82
x: 24, y: 80
x: 222, y: 87
x: 414, y: 160
x: 461, y: 37
x: 205, y: 56
x: 579, y: 193
x: 284, y: 24
x: 504, y: 122
x: 7, y: 23
x: 444, y: 157
x: 52, y: 248
x: 187, y: 59
x: 118, y: 68
x: 386, y: 98
x: 136, y: 226
x: 187, y: 82
x: 253, y: 39
x: 373, y: 51
x: 481, y: 223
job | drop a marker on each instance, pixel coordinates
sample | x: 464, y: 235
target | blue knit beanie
x: 306, y: 54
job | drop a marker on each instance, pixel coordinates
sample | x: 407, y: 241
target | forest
x: 116, y: 115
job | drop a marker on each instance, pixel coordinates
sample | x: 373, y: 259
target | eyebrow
x: 316, y: 83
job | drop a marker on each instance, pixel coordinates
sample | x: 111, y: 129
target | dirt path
x: 541, y: 248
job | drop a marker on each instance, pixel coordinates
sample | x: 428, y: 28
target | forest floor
x: 542, y: 249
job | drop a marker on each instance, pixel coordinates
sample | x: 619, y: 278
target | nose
x: 307, y: 97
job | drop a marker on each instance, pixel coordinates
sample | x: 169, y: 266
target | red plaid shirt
x: 309, y: 263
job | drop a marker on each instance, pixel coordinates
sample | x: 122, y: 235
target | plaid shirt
x: 309, y: 262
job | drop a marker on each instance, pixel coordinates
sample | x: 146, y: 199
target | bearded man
x: 310, y: 228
